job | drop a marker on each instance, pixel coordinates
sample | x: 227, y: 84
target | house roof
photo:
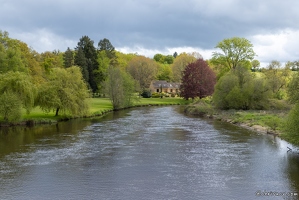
x: 165, y: 84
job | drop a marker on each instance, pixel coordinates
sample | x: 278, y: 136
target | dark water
x: 146, y: 153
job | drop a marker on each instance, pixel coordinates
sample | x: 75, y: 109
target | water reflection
x: 145, y: 153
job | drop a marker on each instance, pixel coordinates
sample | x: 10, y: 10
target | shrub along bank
x: 275, y: 120
x: 97, y: 107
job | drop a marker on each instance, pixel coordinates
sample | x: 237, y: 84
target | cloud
x: 152, y: 26
x: 44, y: 40
x: 206, y: 54
x: 281, y: 46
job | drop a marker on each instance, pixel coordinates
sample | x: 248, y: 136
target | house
x: 164, y: 86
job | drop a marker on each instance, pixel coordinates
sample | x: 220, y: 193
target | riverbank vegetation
x: 91, y: 80
x: 263, y: 98
x: 97, y: 107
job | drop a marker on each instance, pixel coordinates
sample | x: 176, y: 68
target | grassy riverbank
x: 97, y: 107
x: 265, y: 121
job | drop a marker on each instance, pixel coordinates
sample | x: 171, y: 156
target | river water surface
x: 145, y: 153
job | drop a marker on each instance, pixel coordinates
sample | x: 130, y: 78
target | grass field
x: 98, y: 106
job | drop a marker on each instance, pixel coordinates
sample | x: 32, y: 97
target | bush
x: 238, y: 89
x: 146, y: 94
x: 291, y: 127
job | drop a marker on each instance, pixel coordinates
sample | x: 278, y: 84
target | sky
x: 148, y: 27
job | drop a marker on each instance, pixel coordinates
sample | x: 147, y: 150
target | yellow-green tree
x: 180, y: 64
x: 143, y: 70
x: 10, y: 54
x: 235, y: 51
x: 65, y: 91
x: 120, y: 87
x: 17, y: 91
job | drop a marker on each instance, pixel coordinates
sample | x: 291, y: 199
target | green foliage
x: 124, y: 59
x: 50, y: 60
x: 293, y: 89
x: 157, y: 95
x: 143, y: 70
x: 120, y: 87
x: 239, y: 89
x: 21, y: 85
x: 10, y: 54
x: 17, y: 91
x: 105, y: 45
x: 164, y: 72
x: 88, y: 61
x: 180, y: 64
x: 64, y: 91
x: 291, y: 127
x: 68, y: 58
x: 235, y: 51
x: 10, y: 107
x: 163, y: 59
x: 255, y: 65
x: 81, y: 61
x: 175, y: 54
x: 146, y: 94
x: 277, y: 78
x: 201, y: 107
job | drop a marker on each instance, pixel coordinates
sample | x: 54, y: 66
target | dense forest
x: 62, y: 81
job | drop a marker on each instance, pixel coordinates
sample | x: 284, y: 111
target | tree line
x: 62, y: 81
x: 233, y: 80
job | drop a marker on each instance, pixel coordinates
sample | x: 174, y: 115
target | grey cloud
x: 151, y: 23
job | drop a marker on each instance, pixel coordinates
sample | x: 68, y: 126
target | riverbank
x: 97, y: 107
x: 261, y: 121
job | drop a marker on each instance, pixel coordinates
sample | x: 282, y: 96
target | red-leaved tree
x: 198, y: 80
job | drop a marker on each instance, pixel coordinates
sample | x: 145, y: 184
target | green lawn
x: 98, y: 106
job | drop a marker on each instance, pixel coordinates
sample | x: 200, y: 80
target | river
x: 145, y: 153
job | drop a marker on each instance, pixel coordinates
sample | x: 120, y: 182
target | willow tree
x: 64, y: 91
x: 17, y: 91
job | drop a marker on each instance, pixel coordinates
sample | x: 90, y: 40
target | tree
x: 68, y: 58
x: 163, y: 59
x: 143, y: 70
x: 198, y: 80
x: 255, y: 65
x: 106, y: 57
x: 50, y: 60
x: 17, y: 90
x: 80, y: 61
x: 179, y: 65
x: 164, y: 72
x: 235, y: 51
x: 175, y: 54
x: 293, y: 89
x: 291, y: 127
x: 10, y: 54
x: 31, y: 61
x: 277, y: 78
x: 10, y: 107
x: 238, y: 89
x: 64, y: 91
x: 105, y: 45
x: 90, y: 54
x: 159, y: 58
x: 120, y: 88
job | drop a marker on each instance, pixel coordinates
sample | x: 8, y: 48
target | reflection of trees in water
x: 17, y: 138
x: 292, y: 169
